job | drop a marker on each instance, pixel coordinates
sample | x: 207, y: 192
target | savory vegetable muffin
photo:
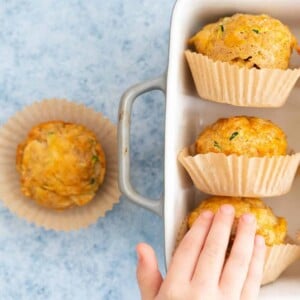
x: 258, y: 41
x: 60, y: 165
x: 242, y: 135
x: 272, y: 228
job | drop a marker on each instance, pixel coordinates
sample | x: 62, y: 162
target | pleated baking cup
x: 15, y: 131
x: 240, y: 176
x: 227, y: 83
x: 278, y: 257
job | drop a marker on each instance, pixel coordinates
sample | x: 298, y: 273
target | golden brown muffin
x: 242, y: 135
x: 247, y: 41
x: 272, y: 228
x: 60, y: 165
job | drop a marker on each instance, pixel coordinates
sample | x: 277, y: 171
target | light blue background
x: 90, y: 52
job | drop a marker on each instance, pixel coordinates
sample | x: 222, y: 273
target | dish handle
x: 125, y: 109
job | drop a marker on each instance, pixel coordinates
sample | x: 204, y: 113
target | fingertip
x: 146, y: 256
x: 207, y: 214
x: 227, y: 209
x: 143, y: 249
x: 249, y: 218
x: 139, y: 248
x: 205, y: 217
x: 142, y: 246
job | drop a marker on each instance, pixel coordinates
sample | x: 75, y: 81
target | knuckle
x: 207, y: 292
x: 204, y: 285
x: 256, y: 272
x: 230, y: 294
x: 173, y: 292
x: 213, y: 250
x: 239, y: 259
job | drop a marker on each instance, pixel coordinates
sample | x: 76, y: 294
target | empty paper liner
x: 227, y: 83
x: 240, y: 176
x: 16, y: 130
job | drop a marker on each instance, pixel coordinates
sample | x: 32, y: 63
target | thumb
x: 148, y: 275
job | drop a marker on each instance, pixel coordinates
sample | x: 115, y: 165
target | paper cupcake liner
x: 298, y: 171
x: 226, y: 83
x: 278, y: 257
x: 240, y: 176
x: 16, y: 130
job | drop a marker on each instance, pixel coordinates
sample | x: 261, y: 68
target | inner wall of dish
x: 187, y: 114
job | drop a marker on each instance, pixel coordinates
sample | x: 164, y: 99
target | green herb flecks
x: 222, y: 27
x: 92, y: 181
x: 95, y: 158
x: 233, y: 135
x: 256, y: 31
x: 216, y: 144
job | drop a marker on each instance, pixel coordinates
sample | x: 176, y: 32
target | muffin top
x: 60, y: 164
x: 258, y: 41
x: 272, y: 228
x: 242, y: 135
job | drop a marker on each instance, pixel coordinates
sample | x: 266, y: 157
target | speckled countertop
x: 89, y: 52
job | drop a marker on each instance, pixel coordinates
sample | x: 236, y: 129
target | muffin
x: 281, y: 250
x: 251, y: 41
x: 49, y: 209
x: 243, y: 60
x: 60, y: 165
x: 272, y: 228
x: 241, y: 157
x: 242, y: 135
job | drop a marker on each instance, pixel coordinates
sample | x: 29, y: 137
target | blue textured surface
x: 90, y: 52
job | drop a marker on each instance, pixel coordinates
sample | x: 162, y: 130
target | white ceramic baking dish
x: 187, y: 115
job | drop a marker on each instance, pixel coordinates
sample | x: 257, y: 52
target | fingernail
x: 227, y: 209
x: 259, y: 241
x: 248, y: 218
x: 207, y: 214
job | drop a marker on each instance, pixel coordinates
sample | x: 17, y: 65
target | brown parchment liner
x: 16, y: 130
x: 278, y: 257
x: 227, y: 83
x: 240, y: 176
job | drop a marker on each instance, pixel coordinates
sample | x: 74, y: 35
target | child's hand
x: 198, y: 269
